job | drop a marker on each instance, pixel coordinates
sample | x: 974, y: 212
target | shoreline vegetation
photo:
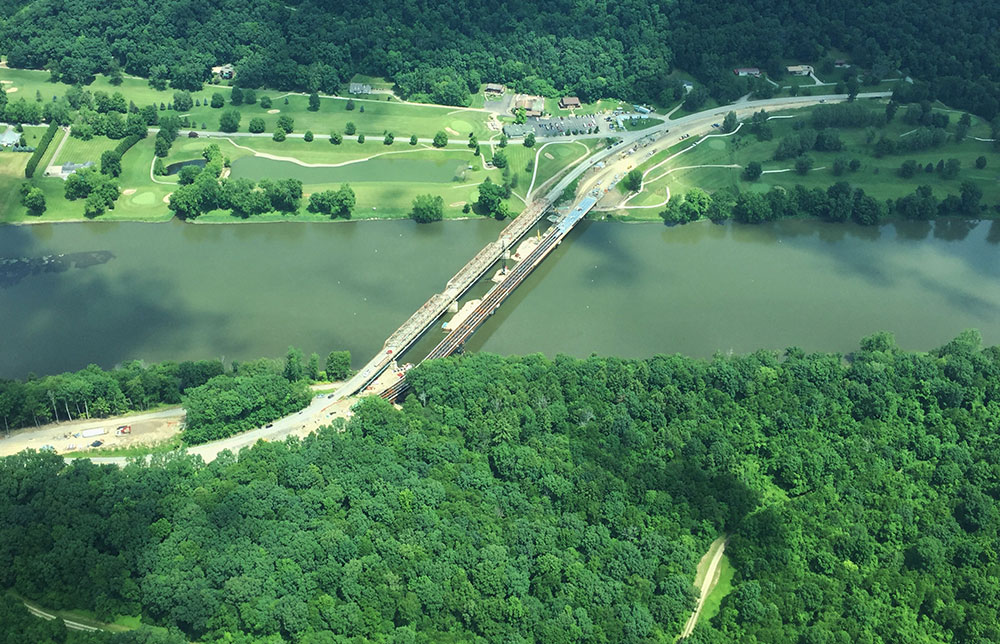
x: 219, y: 401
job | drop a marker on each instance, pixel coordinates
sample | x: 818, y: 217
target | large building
x: 532, y: 105
x: 799, y: 70
x: 359, y: 88
x: 512, y: 130
x: 747, y: 71
x: 569, y: 102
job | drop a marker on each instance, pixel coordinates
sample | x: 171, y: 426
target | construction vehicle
x: 123, y: 429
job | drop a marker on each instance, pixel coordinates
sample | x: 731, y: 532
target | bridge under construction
x: 496, y: 296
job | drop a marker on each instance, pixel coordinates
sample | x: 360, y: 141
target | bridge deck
x: 438, y: 303
x: 496, y: 296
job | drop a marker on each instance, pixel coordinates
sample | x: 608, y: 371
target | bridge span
x: 496, y: 296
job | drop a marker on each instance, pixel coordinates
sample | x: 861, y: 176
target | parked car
x: 97, y: 443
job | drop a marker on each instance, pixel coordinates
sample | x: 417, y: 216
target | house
x: 223, y: 71
x: 512, y: 130
x: 495, y: 89
x: 800, y: 70
x: 532, y: 105
x: 360, y: 88
x: 747, y: 71
x: 69, y: 168
x: 841, y: 63
x: 10, y: 138
x: 569, y: 102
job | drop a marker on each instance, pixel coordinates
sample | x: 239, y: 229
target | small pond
x: 174, y: 168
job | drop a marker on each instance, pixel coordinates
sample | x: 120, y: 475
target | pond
x: 174, y: 168
x: 240, y: 291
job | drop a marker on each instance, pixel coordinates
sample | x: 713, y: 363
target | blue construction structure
x: 577, y: 213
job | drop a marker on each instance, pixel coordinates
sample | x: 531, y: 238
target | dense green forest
x: 442, y: 51
x: 535, y: 500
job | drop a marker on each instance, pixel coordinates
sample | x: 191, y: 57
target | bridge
x: 496, y: 296
x: 437, y: 305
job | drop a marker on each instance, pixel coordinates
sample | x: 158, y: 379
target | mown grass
x: 403, y: 119
x: 879, y: 177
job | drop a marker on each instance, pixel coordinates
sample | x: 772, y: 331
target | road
x: 55, y: 434
x: 707, y: 581
x: 322, y: 410
x: 76, y: 626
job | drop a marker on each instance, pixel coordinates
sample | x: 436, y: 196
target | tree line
x: 838, y: 203
x: 443, y: 53
x: 133, y: 386
x: 536, y: 500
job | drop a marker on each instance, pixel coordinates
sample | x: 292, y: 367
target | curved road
x: 321, y: 409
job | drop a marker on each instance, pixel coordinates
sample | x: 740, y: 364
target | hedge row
x: 29, y: 170
x: 126, y: 144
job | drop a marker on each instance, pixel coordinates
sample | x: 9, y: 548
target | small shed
x: 10, y: 138
x: 360, y: 88
x: 495, y: 89
x: 569, y: 102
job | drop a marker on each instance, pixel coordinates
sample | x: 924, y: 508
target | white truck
x: 97, y: 431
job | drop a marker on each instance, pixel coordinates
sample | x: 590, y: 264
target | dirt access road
x: 147, y: 428
x: 705, y: 580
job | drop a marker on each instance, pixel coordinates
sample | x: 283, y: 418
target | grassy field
x: 641, y: 124
x: 380, y: 115
x: 79, y: 151
x: 722, y: 588
x: 403, y: 119
x: 878, y: 177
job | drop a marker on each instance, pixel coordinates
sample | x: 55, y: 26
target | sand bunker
x: 11, y: 90
x: 128, y: 191
x: 549, y: 156
x: 166, y: 197
x: 273, y: 111
x: 457, y: 204
x: 450, y: 131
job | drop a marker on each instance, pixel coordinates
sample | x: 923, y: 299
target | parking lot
x: 565, y: 125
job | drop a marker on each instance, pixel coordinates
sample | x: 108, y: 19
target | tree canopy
x: 536, y: 500
x: 442, y: 53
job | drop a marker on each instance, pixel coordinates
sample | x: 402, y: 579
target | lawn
x: 379, y: 116
x: 80, y: 151
x: 878, y: 177
x: 641, y: 124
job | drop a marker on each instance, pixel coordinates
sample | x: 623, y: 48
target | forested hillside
x: 529, y: 500
x: 442, y: 51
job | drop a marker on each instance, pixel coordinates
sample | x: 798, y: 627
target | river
x: 176, y: 291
